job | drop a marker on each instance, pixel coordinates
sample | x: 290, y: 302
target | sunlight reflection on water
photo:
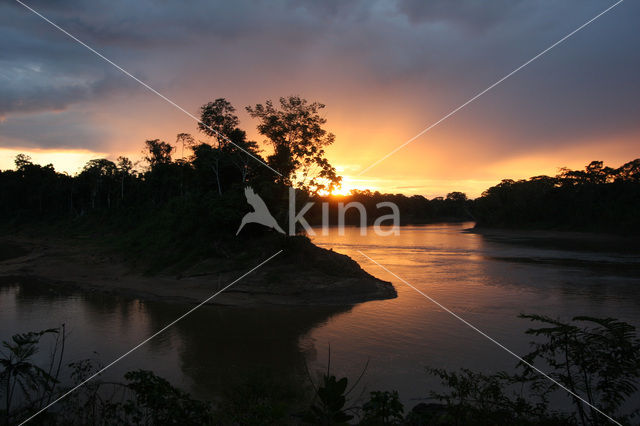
x: 488, y: 280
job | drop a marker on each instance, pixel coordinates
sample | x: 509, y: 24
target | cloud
x: 70, y: 129
x: 27, y: 89
x: 384, y: 68
x: 43, y: 70
x: 469, y: 14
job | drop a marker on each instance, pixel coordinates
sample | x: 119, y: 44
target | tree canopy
x: 597, y: 198
x: 182, y: 196
x: 294, y: 129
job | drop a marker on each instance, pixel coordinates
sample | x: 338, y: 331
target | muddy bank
x: 301, y: 275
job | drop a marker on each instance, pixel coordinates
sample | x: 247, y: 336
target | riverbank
x: 302, y: 274
x: 563, y: 239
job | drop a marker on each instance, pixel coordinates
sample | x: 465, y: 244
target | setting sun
x: 340, y: 191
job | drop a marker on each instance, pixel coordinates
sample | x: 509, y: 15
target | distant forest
x: 598, y: 199
x: 194, y: 186
x: 192, y: 189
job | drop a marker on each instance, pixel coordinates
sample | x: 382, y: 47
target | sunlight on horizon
x: 520, y: 167
x: 72, y: 162
x: 65, y: 161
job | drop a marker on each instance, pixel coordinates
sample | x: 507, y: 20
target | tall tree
x: 124, y: 169
x: 218, y: 119
x: 186, y: 141
x: 295, y: 131
x: 231, y: 149
x: 158, y: 152
x: 629, y: 172
x: 99, y: 172
x: 22, y: 160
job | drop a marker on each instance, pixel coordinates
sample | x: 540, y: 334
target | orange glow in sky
x: 385, y: 71
x: 420, y: 168
x: 64, y: 161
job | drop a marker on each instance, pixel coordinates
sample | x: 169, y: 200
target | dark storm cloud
x: 471, y: 14
x: 28, y: 94
x: 70, y: 129
x: 42, y: 70
x: 441, y: 50
x: 148, y: 23
x: 585, y: 89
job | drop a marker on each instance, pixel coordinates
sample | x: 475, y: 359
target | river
x: 487, y: 279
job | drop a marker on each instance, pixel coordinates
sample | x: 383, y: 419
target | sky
x: 385, y: 70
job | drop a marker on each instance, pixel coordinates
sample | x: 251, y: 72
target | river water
x: 486, y: 279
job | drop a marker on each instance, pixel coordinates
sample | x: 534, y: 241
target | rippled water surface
x: 487, y: 280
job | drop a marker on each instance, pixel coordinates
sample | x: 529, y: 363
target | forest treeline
x: 598, y: 198
x: 192, y: 188
x: 205, y: 188
x: 185, y: 198
x: 414, y: 209
x: 209, y: 168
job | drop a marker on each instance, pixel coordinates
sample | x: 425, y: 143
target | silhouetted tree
x: 457, y: 196
x: 185, y: 140
x: 158, y: 152
x: 124, y: 166
x: 218, y: 119
x: 598, y: 198
x: 629, y: 172
x: 100, y: 174
x: 231, y: 149
x: 22, y: 160
x: 295, y: 131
